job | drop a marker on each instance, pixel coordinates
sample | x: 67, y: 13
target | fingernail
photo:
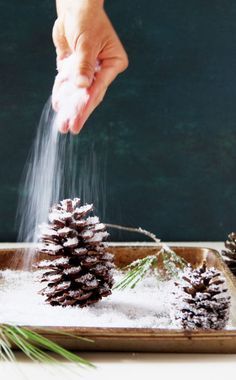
x: 83, y: 81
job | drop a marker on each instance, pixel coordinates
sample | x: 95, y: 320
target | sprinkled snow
x: 148, y: 305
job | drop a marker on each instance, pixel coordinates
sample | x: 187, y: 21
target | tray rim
x: 142, y: 245
x: 122, y: 332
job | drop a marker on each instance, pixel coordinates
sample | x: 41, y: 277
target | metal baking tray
x: 143, y: 339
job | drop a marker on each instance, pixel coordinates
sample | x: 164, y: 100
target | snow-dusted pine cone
x: 229, y: 254
x: 201, y: 299
x: 80, y: 272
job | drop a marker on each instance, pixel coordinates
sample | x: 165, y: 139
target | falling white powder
x: 147, y: 306
x: 49, y: 176
x: 50, y: 171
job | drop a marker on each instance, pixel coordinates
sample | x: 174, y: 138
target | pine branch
x: 172, y: 263
x: 33, y: 345
x: 140, y: 230
x: 136, y: 230
x: 136, y: 271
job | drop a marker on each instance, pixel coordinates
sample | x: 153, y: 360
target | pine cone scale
x: 204, y: 303
x: 80, y: 272
x: 229, y: 254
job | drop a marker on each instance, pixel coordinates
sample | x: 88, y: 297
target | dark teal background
x: 166, y: 133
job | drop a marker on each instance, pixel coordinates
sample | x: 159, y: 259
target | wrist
x: 63, y: 5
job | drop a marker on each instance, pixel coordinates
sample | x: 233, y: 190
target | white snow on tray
x: 145, y: 306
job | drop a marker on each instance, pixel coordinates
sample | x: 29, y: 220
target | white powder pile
x: 147, y: 306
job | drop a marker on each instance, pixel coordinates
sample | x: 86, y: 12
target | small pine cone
x: 229, y: 255
x: 201, y: 299
x: 80, y: 272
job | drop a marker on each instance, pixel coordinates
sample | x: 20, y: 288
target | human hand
x: 84, y: 31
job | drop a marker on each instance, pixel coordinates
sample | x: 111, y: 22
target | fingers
x: 63, y: 126
x: 59, y: 40
x: 109, y: 71
x: 86, y: 54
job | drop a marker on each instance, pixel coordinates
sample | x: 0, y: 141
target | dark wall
x: 168, y: 125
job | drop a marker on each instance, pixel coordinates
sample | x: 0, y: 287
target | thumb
x: 85, y: 62
x: 59, y: 40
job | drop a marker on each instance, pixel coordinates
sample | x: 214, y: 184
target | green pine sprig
x: 33, y: 345
x: 136, y: 272
x: 172, y: 264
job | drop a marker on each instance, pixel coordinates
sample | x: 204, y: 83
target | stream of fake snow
x: 50, y: 171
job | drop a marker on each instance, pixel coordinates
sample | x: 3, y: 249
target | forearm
x: 62, y: 5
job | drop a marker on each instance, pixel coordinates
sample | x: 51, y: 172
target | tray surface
x: 143, y: 339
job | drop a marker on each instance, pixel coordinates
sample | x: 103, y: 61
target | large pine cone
x: 202, y: 300
x: 229, y: 255
x: 80, y: 272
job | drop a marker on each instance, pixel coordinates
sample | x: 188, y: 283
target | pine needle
x: 136, y: 271
x: 33, y: 345
x: 5, y: 348
x: 172, y: 263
